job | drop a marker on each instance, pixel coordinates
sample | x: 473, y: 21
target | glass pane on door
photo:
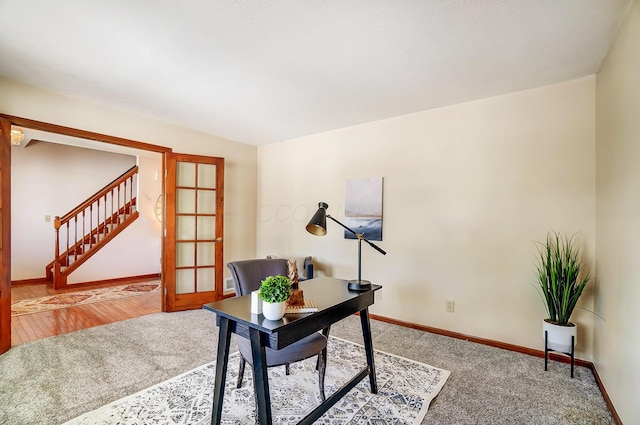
x: 185, y: 254
x: 185, y: 227
x: 207, y: 176
x: 206, y: 228
x: 206, y: 254
x: 185, y: 201
x: 185, y: 282
x: 206, y: 279
x: 186, y: 174
x: 206, y: 201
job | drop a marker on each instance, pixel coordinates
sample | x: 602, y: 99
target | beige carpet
x: 405, y: 390
x: 53, y: 380
x: 54, y: 302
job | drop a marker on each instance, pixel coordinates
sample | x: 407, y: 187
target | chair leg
x: 286, y: 368
x: 243, y: 362
x: 322, y: 363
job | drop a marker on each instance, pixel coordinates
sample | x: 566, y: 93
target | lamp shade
x: 318, y: 223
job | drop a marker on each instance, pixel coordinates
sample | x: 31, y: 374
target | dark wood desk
x: 335, y: 302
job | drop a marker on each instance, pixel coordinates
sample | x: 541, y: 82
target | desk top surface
x: 327, y: 292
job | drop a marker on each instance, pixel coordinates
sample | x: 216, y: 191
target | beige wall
x: 240, y: 159
x: 618, y: 222
x: 467, y: 191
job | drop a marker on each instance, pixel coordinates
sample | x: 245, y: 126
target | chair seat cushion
x: 305, y: 348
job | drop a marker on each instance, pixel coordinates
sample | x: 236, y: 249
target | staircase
x: 91, y: 225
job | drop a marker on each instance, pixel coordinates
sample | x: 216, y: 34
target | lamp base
x: 359, y: 285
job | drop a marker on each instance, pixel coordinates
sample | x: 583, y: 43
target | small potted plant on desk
x: 274, y: 292
x: 561, y: 281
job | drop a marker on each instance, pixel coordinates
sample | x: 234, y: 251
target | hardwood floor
x: 30, y: 327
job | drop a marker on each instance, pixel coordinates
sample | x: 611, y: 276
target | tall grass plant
x: 560, y: 276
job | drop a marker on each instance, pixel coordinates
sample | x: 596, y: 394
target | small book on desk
x: 309, y: 307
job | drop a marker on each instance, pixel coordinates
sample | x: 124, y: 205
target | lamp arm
x: 374, y: 246
x: 360, y: 236
x: 351, y: 230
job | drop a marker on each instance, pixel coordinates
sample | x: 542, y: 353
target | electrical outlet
x: 450, y: 306
x: 47, y: 219
x: 378, y: 295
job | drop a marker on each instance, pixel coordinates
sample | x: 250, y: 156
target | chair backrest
x: 248, y: 274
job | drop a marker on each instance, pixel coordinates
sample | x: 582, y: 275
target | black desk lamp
x: 318, y: 226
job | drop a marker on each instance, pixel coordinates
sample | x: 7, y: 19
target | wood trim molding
x: 5, y: 235
x: 69, y: 131
x: 33, y: 281
x: 105, y: 282
x: 510, y: 347
x: 606, y: 397
x: 114, y: 282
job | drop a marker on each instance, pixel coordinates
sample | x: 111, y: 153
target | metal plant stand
x: 547, y: 349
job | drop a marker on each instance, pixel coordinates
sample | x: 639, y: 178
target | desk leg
x: 368, y: 348
x: 222, y: 360
x: 260, y: 378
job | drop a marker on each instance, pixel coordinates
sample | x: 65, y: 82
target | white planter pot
x: 559, y: 337
x: 273, y: 311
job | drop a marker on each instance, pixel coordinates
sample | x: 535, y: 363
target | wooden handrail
x: 102, y: 218
x: 99, y: 194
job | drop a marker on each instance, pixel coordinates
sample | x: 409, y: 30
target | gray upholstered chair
x: 247, y: 276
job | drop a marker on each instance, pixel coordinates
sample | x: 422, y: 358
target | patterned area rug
x: 405, y: 390
x: 53, y: 302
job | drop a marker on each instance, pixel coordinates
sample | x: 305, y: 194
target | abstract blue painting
x: 363, y: 208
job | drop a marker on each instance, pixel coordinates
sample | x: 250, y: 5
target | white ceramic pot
x: 273, y: 311
x: 559, y: 337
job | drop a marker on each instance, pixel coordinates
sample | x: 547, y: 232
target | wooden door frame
x: 5, y: 235
x: 6, y: 121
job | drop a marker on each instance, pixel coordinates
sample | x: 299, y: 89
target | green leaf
x: 275, y: 289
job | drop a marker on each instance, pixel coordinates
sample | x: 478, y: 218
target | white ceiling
x: 259, y: 71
